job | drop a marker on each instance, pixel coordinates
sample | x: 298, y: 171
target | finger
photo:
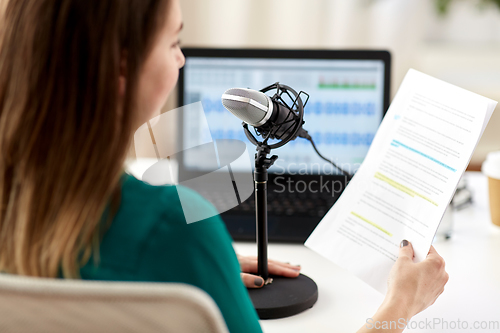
x: 276, y: 269
x: 284, y: 264
x: 433, y: 254
x: 253, y: 260
x: 250, y: 265
x: 252, y: 281
x: 405, y: 249
x: 432, y: 250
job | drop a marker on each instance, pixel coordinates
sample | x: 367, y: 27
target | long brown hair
x: 63, y: 135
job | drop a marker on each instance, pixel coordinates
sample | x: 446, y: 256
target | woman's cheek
x: 172, y: 74
x: 157, y: 83
x: 164, y: 85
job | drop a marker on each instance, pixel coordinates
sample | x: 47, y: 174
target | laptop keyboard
x: 292, y: 216
x: 306, y: 204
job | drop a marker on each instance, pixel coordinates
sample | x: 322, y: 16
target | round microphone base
x: 284, y: 297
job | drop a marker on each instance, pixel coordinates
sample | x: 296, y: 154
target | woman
x: 76, y: 79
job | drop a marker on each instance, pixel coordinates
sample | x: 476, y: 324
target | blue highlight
x: 396, y: 143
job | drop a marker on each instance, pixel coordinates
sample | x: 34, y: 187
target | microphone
x: 262, y: 112
x: 271, y: 116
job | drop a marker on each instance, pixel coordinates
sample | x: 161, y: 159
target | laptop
x: 349, y: 95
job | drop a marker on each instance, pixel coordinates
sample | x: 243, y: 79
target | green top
x: 149, y: 240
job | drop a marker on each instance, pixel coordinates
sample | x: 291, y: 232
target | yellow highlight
x: 402, y: 188
x: 373, y: 224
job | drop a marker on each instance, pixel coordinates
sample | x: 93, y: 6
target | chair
x: 39, y: 305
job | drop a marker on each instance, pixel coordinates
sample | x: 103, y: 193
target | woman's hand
x: 248, y: 266
x: 416, y: 285
x: 412, y: 288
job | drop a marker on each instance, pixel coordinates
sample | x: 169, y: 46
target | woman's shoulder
x: 138, y: 190
x: 148, y: 211
x: 176, y: 203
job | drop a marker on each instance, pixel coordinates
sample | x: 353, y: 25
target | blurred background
x: 454, y: 40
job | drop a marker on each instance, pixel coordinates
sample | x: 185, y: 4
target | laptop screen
x: 348, y: 98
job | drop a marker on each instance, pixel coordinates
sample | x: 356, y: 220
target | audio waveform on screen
x: 313, y: 108
x: 320, y: 138
x: 346, y: 86
x: 348, y: 83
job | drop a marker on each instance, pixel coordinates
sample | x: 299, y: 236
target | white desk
x: 472, y: 294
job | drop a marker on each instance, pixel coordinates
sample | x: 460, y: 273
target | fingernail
x: 404, y: 242
x: 258, y: 282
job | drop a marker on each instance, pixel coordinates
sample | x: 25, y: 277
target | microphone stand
x: 280, y: 296
x: 262, y: 163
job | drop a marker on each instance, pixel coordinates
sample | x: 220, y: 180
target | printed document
x: 407, y: 179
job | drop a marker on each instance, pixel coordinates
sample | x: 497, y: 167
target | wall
x: 462, y: 47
